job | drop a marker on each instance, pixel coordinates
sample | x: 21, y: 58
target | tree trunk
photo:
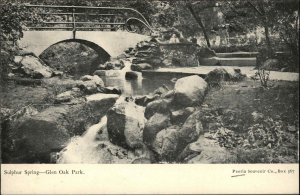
x: 267, y: 35
x: 266, y: 28
x: 199, y: 21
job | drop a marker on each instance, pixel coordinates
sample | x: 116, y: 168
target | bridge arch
x: 75, y: 56
x: 100, y: 51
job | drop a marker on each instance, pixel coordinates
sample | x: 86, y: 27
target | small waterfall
x: 83, y: 149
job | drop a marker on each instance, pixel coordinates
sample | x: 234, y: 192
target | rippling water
x: 83, y: 149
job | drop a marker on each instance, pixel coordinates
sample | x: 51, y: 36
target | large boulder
x: 125, y: 124
x: 158, y: 106
x: 166, y: 143
x: 35, y: 68
x: 35, y: 137
x: 190, y: 91
x: 90, y: 84
x: 155, y: 124
x: 216, y: 76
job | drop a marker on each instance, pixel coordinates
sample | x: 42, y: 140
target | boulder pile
x: 164, y: 122
x: 147, y: 55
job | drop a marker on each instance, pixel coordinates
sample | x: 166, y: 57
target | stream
x: 83, y: 149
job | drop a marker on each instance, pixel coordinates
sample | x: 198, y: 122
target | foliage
x: 278, y: 19
x: 263, y: 76
x: 11, y: 30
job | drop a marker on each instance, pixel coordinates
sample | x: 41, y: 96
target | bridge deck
x: 204, y: 70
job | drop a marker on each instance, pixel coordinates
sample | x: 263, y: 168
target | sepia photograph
x: 155, y: 82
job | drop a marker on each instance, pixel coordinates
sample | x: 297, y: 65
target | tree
x: 279, y: 19
x: 199, y: 21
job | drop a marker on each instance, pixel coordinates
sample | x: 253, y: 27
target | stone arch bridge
x: 109, y: 29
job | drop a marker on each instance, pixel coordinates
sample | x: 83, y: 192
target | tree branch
x: 255, y: 8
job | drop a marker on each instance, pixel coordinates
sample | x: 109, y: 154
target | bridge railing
x: 86, y: 18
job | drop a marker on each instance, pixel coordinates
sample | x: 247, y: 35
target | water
x: 141, y: 86
x: 83, y: 149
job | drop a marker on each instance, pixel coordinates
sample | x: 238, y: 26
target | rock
x: 155, y: 124
x: 128, y: 50
x: 90, y: 83
x: 94, y: 78
x: 191, y: 129
x: 109, y: 153
x: 166, y: 144
x: 115, y: 64
x: 40, y: 134
x: 141, y: 161
x: 168, y: 95
x: 167, y: 62
x: 99, y: 72
x: 271, y: 64
x: 158, y: 106
x: 216, y: 76
x: 180, y: 116
x: 35, y: 68
x: 190, y: 91
x: 64, y: 97
x: 61, y: 83
x: 144, y: 100
x: 109, y: 90
x: 210, y: 152
x: 18, y: 59
x: 131, y: 75
x: 35, y: 137
x: 125, y: 124
x: 161, y: 90
x: 140, y: 67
